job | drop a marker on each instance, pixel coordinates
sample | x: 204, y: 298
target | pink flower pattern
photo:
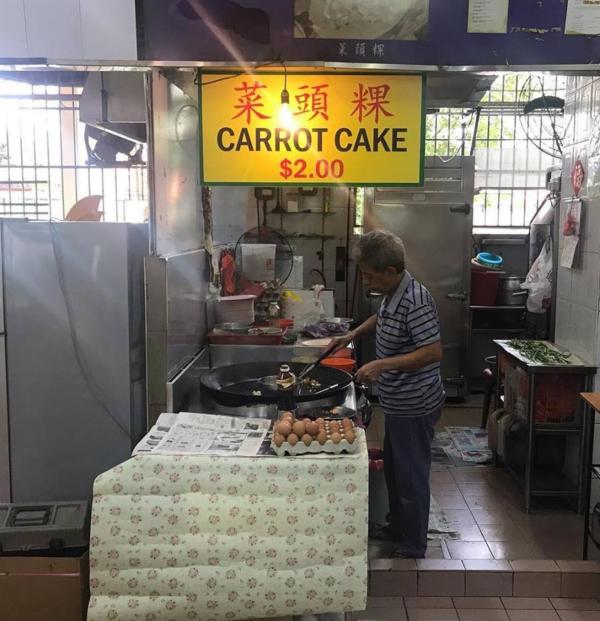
x: 199, y: 538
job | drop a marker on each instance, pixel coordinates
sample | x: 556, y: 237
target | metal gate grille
x: 510, y: 168
x: 43, y: 158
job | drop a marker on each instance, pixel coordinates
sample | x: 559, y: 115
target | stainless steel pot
x: 510, y: 292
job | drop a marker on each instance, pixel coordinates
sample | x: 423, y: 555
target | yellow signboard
x: 342, y: 128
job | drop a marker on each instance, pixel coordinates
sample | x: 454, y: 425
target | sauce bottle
x: 286, y: 384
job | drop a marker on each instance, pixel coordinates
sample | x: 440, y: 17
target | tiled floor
x: 479, y: 609
x: 485, y: 507
x: 493, y: 525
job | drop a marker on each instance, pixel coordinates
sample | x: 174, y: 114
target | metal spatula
x: 307, y: 369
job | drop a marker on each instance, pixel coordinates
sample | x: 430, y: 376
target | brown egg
x: 334, y: 426
x: 320, y: 422
x: 307, y: 439
x: 298, y: 428
x: 312, y: 428
x: 336, y: 438
x: 350, y: 436
x: 346, y: 422
x: 322, y: 438
x: 287, y: 416
x: 284, y: 427
x: 293, y: 439
x: 278, y: 439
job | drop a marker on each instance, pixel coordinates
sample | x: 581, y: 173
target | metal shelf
x: 546, y: 484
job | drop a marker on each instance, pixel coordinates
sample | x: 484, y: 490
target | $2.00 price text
x: 300, y: 169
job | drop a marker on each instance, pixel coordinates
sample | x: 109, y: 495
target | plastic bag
x: 539, y: 281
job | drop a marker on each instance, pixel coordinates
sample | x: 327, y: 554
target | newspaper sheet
x: 204, y: 434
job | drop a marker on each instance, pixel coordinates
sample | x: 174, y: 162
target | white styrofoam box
x: 54, y: 29
x: 258, y: 261
x: 13, y: 34
x: 109, y: 29
x: 585, y: 286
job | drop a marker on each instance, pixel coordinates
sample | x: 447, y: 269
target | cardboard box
x: 44, y: 588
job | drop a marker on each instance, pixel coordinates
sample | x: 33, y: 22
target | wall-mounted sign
x: 404, y: 32
x: 346, y: 128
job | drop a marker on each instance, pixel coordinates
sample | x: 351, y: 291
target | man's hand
x: 342, y: 341
x: 370, y: 371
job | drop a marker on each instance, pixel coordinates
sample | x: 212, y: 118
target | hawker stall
x: 252, y: 511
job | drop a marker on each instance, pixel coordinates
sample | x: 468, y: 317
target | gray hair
x: 379, y: 250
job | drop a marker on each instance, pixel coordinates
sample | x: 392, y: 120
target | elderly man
x: 407, y: 372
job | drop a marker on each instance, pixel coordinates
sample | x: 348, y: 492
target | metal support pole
x: 529, y: 465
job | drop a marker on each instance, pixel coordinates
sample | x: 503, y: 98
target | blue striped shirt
x: 406, y: 322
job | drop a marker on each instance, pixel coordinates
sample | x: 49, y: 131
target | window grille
x: 510, y: 167
x: 43, y: 158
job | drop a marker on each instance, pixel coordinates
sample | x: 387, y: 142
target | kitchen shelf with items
x: 497, y: 310
x: 540, y: 385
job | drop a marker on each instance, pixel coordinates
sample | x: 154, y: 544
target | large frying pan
x: 232, y: 385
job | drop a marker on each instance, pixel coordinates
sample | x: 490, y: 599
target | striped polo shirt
x: 405, y: 322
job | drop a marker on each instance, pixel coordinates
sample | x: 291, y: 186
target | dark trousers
x: 407, y: 462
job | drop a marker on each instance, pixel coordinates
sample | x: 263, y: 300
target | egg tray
x: 315, y: 447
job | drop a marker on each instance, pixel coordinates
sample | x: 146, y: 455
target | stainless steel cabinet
x: 435, y: 223
x: 72, y: 399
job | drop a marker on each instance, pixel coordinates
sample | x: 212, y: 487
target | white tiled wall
x: 578, y: 289
x: 68, y: 29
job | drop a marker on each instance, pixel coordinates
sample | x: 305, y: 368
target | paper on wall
x: 489, y: 16
x: 583, y: 17
x: 571, y: 234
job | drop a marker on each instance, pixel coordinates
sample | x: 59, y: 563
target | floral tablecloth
x: 209, y: 538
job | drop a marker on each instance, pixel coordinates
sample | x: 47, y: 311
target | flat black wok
x: 232, y: 386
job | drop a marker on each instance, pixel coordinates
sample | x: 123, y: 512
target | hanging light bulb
x: 285, y: 116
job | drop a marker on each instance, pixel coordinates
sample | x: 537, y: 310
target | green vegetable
x: 538, y: 351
